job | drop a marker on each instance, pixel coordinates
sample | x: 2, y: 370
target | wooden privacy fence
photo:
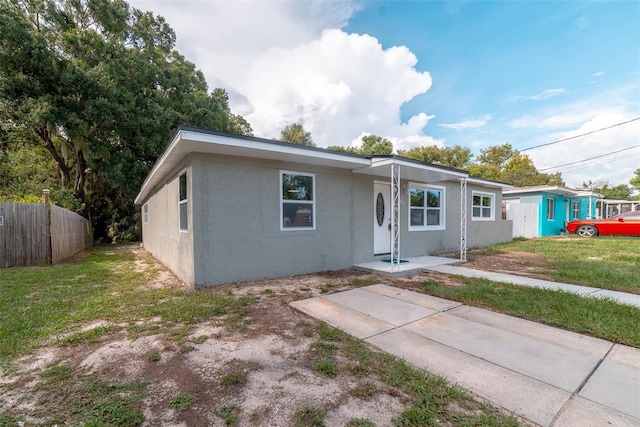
x: 40, y: 234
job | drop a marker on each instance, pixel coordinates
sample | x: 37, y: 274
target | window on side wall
x: 483, y: 206
x: 145, y: 213
x: 576, y: 209
x: 426, y: 207
x: 297, y: 201
x: 182, y: 202
x: 551, y: 204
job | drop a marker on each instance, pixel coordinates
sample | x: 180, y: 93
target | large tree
x: 503, y: 163
x: 295, y: 134
x: 453, y: 157
x: 100, y: 87
x: 371, y: 145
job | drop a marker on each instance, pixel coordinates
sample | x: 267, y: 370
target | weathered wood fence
x: 40, y: 234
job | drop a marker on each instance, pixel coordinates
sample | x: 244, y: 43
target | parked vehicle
x: 625, y: 224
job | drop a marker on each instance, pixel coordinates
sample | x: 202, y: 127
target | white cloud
x: 468, y: 124
x: 599, y: 73
x: 544, y: 94
x: 286, y: 62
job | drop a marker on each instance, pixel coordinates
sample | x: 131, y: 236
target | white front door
x: 381, y: 218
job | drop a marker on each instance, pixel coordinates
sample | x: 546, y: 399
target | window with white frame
x: 576, y: 209
x: 145, y: 213
x: 551, y: 207
x: 182, y: 202
x: 482, y: 206
x: 297, y: 201
x: 426, y: 207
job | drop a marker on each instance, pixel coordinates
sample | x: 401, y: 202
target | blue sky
x: 476, y: 73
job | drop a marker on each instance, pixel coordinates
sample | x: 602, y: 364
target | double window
x: 297, y: 201
x: 426, y: 210
x: 182, y: 202
x: 482, y: 206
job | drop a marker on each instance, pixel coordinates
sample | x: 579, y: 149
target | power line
x: 590, y: 165
x: 579, y: 136
x: 590, y: 158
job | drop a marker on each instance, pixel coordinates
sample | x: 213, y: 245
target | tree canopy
x: 371, y: 145
x: 95, y: 89
x: 295, y: 134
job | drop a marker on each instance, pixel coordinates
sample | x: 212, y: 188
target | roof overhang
x: 191, y: 140
x: 410, y: 170
x: 561, y: 191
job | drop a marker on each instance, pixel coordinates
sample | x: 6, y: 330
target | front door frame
x: 386, y: 217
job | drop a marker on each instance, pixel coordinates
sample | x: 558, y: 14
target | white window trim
x: 443, y: 206
x: 145, y: 213
x: 305, y: 202
x: 492, y: 196
x: 181, y: 202
x: 575, y: 213
x: 551, y: 200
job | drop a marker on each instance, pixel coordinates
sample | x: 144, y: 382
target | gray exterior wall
x: 161, y: 235
x: 234, y: 222
x: 236, y: 215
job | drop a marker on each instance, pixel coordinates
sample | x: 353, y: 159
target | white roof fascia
x: 188, y: 141
x: 413, y: 171
x: 491, y: 184
x: 562, y: 191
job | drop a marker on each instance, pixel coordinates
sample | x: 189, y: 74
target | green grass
x: 78, y: 398
x: 431, y: 399
x: 602, y: 262
x: 229, y: 414
x: 39, y: 303
x: 182, y: 402
x: 598, y: 317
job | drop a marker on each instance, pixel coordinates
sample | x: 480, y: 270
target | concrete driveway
x: 545, y: 375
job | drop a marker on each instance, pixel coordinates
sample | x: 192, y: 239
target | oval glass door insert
x: 380, y: 209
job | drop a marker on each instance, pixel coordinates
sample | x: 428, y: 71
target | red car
x: 626, y: 224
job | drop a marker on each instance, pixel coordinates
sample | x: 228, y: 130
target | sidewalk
x: 622, y: 297
x: 545, y: 375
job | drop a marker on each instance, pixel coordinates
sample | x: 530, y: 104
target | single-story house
x: 220, y: 208
x: 545, y: 210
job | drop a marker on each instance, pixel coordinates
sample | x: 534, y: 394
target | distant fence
x: 40, y: 234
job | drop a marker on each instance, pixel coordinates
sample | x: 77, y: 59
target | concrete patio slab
x: 415, y: 265
x: 534, y: 400
x: 389, y: 310
x: 593, y: 346
x: 338, y: 316
x: 423, y: 300
x: 585, y: 413
x: 547, y: 376
x: 615, y: 385
x: 549, y: 363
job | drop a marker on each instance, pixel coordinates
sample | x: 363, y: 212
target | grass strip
x: 432, y: 400
x: 608, y: 262
x: 598, y: 317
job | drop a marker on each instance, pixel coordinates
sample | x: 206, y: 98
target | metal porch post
x: 395, y: 216
x: 463, y: 219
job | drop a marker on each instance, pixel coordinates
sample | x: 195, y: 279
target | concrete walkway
x: 545, y: 375
x: 621, y: 297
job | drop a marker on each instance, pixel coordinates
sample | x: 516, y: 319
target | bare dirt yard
x: 263, y: 369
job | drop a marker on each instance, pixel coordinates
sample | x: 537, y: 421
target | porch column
x: 395, y: 216
x: 463, y: 219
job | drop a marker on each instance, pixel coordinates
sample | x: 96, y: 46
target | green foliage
x: 310, y: 416
x: 635, y: 181
x: 454, y: 157
x: 503, y: 163
x: 295, y: 134
x: 232, y: 378
x: 229, y: 414
x: 371, y: 145
x: 182, y: 402
x: 98, y: 88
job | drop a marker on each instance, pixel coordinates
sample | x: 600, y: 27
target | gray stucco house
x: 220, y: 208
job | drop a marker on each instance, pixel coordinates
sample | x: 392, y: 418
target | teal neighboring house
x: 545, y: 210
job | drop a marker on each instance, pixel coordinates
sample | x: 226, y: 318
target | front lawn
x: 602, y: 262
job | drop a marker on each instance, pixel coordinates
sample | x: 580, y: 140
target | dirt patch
x: 518, y: 263
x: 262, y: 372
